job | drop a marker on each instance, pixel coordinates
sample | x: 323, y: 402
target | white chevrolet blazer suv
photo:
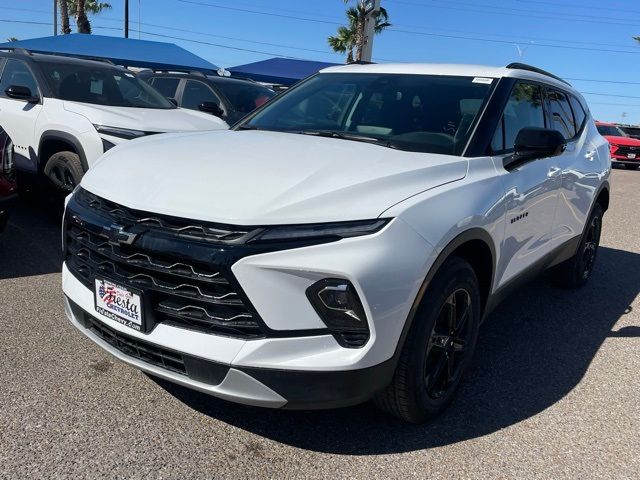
x: 342, y: 243
x: 63, y: 113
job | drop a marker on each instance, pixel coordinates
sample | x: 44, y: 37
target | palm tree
x: 12, y: 39
x: 80, y: 10
x: 351, y: 37
x: 64, y: 16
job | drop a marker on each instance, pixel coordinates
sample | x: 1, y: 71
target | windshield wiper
x: 247, y: 127
x: 344, y: 136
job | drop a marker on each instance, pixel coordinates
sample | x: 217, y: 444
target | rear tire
x: 64, y: 170
x: 438, y: 348
x: 575, y: 272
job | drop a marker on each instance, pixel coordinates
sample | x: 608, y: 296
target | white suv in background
x: 63, y: 113
x: 345, y: 241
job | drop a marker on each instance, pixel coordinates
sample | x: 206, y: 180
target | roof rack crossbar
x: 529, y: 68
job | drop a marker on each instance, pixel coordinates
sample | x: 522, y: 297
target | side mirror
x: 211, y: 107
x: 20, y: 92
x: 533, y: 143
x: 173, y: 100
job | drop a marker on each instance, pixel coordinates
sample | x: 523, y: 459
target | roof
x: 284, y: 71
x: 122, y: 51
x: 459, y: 70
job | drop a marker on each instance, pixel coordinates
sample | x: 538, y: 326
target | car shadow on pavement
x: 533, y: 350
x: 31, y: 242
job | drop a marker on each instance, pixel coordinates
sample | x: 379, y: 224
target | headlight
x: 328, y: 231
x: 126, y: 133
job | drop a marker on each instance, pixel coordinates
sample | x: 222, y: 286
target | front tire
x: 64, y: 170
x: 576, y: 271
x: 438, y: 348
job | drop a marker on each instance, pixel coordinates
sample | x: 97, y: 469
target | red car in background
x: 624, y: 149
x: 8, y: 188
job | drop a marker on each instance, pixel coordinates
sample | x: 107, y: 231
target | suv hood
x: 265, y: 178
x: 625, y: 141
x: 147, y: 119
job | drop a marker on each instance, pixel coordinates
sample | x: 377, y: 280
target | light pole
x: 126, y: 18
x: 55, y: 17
x: 371, y: 8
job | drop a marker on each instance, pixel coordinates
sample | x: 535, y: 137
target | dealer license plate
x: 118, y: 303
x: 632, y: 156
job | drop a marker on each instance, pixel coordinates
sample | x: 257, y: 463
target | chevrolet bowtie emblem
x: 118, y: 236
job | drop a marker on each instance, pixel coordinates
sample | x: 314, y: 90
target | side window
x: 561, y: 115
x: 17, y: 73
x: 166, y: 86
x: 524, y: 109
x: 195, y: 93
x: 578, y: 112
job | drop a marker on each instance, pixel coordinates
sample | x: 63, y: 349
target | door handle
x: 591, y: 154
x: 554, y: 172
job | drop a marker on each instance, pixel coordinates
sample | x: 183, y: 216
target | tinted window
x: 561, y: 115
x: 195, y: 93
x: 524, y: 109
x: 101, y: 85
x: 420, y: 113
x: 610, y: 130
x: 17, y: 73
x: 166, y: 86
x: 578, y: 112
x: 245, y: 97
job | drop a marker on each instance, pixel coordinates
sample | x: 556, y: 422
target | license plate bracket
x: 120, y: 303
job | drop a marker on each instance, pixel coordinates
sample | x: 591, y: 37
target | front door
x: 531, y: 189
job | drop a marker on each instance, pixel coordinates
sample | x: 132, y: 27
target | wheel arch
x: 465, y: 245
x: 54, y: 141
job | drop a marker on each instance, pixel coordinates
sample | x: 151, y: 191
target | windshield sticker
x: 96, y: 87
x: 483, y: 80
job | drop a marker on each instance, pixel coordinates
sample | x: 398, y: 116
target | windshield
x: 610, y: 130
x: 101, y: 86
x: 420, y: 113
x: 245, y: 96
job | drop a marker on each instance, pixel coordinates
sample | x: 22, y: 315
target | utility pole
x: 55, y: 17
x: 371, y: 8
x: 126, y: 18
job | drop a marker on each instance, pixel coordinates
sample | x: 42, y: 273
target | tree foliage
x: 350, y: 39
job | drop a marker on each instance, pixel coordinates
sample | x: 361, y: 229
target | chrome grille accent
x: 165, y: 223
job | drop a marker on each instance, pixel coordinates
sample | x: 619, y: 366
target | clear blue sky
x: 577, y: 39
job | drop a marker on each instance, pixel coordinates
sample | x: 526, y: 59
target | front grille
x: 624, y: 150
x: 195, y: 368
x: 176, y: 289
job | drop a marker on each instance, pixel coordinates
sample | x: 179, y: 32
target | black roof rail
x: 177, y: 70
x: 529, y: 68
x: 20, y: 50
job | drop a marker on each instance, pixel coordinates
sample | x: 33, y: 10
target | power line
x: 522, y: 13
x: 610, y: 95
x: 576, y: 5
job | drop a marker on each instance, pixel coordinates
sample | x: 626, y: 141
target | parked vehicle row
x: 228, y: 98
x: 63, y: 113
x: 624, y: 149
x: 344, y: 241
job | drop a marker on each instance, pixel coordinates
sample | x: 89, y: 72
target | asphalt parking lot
x: 554, y: 392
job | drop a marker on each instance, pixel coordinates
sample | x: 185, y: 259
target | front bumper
x: 296, y: 368
x: 291, y: 389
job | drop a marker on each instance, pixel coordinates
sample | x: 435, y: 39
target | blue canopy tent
x: 281, y: 71
x: 121, y: 51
